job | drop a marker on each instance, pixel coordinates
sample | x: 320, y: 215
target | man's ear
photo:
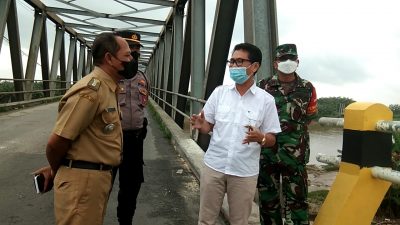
x: 255, y: 67
x: 275, y: 65
x: 107, y: 58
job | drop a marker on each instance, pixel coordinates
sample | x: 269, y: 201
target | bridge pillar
x: 355, y: 194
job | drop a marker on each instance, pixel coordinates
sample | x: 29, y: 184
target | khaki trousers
x: 240, y: 192
x: 80, y: 196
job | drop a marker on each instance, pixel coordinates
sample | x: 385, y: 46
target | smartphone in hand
x: 39, y: 183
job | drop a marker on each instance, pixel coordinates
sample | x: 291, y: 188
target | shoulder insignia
x: 94, y: 84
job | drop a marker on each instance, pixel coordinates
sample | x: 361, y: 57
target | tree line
x: 334, y: 107
x: 327, y: 107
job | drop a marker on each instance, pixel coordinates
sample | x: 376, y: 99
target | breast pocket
x: 298, y: 106
x: 110, y: 119
x: 252, y: 118
x: 223, y: 113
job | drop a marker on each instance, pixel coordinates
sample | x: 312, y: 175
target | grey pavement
x: 169, y: 196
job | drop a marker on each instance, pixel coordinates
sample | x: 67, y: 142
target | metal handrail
x: 181, y: 95
x: 58, y: 81
x: 33, y: 91
x: 381, y: 125
x: 173, y: 107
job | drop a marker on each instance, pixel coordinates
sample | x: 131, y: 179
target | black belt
x: 85, y: 165
x: 133, y: 132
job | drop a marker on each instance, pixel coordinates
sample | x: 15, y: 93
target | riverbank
x: 320, y: 180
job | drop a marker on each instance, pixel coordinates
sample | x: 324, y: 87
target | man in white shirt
x: 242, y: 118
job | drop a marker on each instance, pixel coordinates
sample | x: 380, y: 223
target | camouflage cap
x: 285, y: 49
x: 130, y: 36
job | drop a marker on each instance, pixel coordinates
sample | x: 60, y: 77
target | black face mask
x: 130, y: 69
x: 135, y: 55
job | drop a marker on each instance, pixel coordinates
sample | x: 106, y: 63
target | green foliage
x: 390, y: 206
x: 163, y: 127
x: 317, y: 196
x: 333, y: 106
x: 396, y: 111
x: 6, y: 86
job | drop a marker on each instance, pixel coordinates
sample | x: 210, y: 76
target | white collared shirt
x: 230, y: 113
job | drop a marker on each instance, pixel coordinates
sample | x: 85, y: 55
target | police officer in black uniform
x: 132, y: 98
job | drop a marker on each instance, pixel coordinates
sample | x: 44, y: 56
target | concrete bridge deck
x: 169, y: 196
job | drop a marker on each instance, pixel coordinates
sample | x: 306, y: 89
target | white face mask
x: 288, y: 66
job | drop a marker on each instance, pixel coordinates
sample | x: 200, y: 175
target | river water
x: 324, y: 140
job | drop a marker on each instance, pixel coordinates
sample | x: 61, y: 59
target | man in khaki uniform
x: 86, y: 141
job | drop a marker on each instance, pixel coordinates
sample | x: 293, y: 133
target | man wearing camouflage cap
x: 132, y: 98
x: 296, y: 102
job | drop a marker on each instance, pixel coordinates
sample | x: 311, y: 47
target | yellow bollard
x: 355, y: 195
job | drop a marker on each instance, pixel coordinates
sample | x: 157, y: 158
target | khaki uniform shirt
x: 133, y: 97
x: 89, y: 116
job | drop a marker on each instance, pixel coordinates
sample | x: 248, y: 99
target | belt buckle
x: 101, y: 166
x: 70, y: 163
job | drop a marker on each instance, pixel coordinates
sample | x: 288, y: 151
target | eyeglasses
x: 238, y: 62
x: 286, y: 57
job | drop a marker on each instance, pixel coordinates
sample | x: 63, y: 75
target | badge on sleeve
x: 94, y: 84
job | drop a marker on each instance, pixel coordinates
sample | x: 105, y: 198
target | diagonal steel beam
x: 104, y: 15
x: 89, y: 26
x: 224, y: 21
x: 15, y: 49
x: 33, y: 52
x: 38, y: 5
x: 137, y: 11
x: 4, y: 7
x: 155, y: 2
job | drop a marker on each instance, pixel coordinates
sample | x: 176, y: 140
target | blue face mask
x: 238, y: 74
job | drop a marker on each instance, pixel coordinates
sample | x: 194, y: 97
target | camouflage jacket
x: 296, y: 109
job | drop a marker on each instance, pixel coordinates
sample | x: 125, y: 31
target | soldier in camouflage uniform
x: 296, y: 102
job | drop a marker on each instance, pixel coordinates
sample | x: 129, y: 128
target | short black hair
x: 104, y: 42
x: 255, y: 54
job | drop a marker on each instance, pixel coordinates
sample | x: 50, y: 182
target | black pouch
x: 144, y: 129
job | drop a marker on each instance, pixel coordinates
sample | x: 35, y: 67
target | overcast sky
x: 346, y: 48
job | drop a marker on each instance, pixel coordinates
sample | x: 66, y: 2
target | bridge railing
x: 381, y: 126
x: 160, y: 96
x: 192, y: 99
x: 43, y: 90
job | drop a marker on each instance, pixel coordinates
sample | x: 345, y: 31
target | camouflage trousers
x: 293, y: 206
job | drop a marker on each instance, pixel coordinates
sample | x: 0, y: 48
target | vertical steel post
x: 167, y: 63
x: 62, y: 64
x: 56, y: 58
x: 197, y: 66
x: 88, y: 61
x: 261, y: 29
x: 81, y: 61
x: 177, y: 53
x: 160, y: 74
x: 33, y: 52
x: 185, y: 68
x: 70, y: 63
